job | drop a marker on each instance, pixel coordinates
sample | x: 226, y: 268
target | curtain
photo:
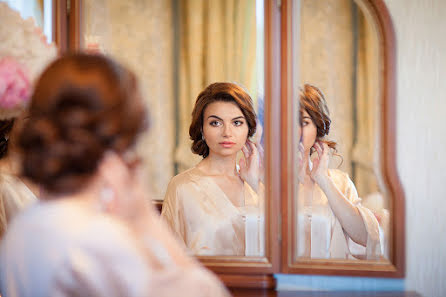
x: 217, y: 43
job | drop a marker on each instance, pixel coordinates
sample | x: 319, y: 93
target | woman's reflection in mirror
x: 331, y: 221
x: 216, y: 207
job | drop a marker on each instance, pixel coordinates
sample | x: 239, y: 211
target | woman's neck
x: 88, y: 196
x: 218, y: 165
x: 10, y: 164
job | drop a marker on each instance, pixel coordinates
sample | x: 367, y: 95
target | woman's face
x: 225, y: 128
x: 309, y: 131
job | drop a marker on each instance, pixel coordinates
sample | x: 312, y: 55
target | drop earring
x: 106, y: 198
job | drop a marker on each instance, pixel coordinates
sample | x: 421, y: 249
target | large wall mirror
x: 347, y: 219
x: 272, y: 48
x: 177, y: 48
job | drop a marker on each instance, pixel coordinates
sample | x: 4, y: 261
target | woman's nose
x: 227, y: 130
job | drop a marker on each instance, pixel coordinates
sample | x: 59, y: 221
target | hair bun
x: 82, y: 106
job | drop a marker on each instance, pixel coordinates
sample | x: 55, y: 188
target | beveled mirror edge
x: 387, y: 44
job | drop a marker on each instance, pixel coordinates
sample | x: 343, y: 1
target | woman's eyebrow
x: 218, y: 118
x: 306, y: 117
x: 214, y: 116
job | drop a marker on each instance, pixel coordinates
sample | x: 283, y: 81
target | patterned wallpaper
x: 140, y: 35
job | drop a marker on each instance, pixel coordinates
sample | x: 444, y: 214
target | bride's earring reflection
x: 216, y: 207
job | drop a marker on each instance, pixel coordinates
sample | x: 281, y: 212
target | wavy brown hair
x: 83, y: 105
x: 220, y: 91
x: 5, y: 128
x: 312, y: 100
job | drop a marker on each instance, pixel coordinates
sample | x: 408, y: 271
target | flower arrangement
x: 24, y: 53
x: 14, y: 88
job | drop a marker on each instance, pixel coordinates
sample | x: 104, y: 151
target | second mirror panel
x: 178, y: 48
x: 342, y: 210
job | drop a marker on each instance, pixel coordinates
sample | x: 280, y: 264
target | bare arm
x: 344, y: 210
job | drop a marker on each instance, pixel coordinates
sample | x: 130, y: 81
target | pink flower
x: 15, y: 87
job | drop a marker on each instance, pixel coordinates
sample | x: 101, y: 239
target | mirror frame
x: 376, y: 12
x: 240, y: 272
x: 257, y: 272
x: 60, y: 23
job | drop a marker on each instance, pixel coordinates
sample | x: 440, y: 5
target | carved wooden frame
x: 387, y: 47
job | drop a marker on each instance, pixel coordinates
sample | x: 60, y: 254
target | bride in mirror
x: 332, y: 223
x: 216, y: 207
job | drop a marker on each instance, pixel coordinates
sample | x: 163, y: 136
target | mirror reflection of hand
x: 250, y: 165
x: 320, y: 163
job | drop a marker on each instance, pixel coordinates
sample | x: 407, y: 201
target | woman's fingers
x: 253, y: 147
x: 316, y: 162
x: 242, y: 164
x: 325, y: 150
x: 325, y: 147
x: 245, y: 151
x: 318, y: 149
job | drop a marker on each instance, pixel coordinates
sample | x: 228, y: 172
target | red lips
x: 227, y: 144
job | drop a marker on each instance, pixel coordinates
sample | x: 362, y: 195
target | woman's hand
x: 250, y: 165
x: 128, y: 198
x: 319, y: 172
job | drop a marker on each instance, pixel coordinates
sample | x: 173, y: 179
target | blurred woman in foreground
x: 95, y: 232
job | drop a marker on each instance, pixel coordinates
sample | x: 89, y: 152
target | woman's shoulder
x: 339, y: 177
x: 81, y: 226
x: 185, y: 184
x: 343, y: 182
x: 99, y: 240
x: 188, y: 176
x: 14, y: 194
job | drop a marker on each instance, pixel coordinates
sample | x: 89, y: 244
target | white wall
x: 420, y: 27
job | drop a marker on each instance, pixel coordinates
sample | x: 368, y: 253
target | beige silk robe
x: 65, y: 248
x: 207, y: 222
x: 14, y: 196
x: 320, y: 234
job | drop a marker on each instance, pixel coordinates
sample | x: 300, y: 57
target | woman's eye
x: 215, y: 123
x: 238, y: 123
x: 305, y: 123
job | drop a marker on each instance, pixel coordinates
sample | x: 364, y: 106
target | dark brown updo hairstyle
x: 220, y: 91
x: 83, y: 105
x: 5, y: 129
x: 312, y: 100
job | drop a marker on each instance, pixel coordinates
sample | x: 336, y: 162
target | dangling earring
x: 106, y: 198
